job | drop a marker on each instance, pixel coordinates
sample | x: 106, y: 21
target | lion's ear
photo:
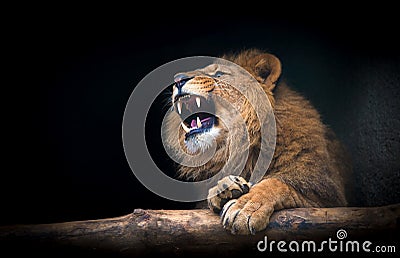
x: 267, y: 69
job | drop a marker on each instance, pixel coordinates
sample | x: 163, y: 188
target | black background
x: 72, y: 74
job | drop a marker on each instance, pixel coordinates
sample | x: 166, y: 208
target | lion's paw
x: 246, y: 215
x: 228, y: 188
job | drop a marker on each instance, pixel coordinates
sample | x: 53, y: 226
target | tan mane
x: 307, y: 157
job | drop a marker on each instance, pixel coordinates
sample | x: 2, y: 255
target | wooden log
x: 198, y: 231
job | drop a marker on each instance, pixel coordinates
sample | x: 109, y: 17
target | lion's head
x: 210, y: 107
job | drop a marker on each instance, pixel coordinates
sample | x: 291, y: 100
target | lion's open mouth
x: 196, y: 113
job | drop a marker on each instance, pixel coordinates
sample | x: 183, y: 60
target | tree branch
x: 199, y: 231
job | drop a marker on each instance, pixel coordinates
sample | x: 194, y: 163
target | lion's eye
x: 218, y: 74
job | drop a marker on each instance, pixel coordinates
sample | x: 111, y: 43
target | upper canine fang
x: 179, y: 106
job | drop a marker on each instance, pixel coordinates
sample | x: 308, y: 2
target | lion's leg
x: 251, y: 212
x: 228, y: 188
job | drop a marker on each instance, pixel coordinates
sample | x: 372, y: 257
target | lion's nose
x: 181, y: 79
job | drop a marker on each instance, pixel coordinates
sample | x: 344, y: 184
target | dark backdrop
x: 72, y: 76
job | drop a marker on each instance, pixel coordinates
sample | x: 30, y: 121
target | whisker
x: 166, y: 98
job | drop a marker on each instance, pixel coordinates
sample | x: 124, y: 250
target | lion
x: 309, y: 167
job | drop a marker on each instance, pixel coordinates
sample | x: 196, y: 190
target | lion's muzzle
x: 193, y: 104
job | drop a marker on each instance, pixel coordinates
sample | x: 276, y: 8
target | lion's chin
x: 202, y: 142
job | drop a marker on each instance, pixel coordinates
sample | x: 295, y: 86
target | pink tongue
x: 193, y: 124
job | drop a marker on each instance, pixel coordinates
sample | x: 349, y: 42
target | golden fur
x: 309, y: 167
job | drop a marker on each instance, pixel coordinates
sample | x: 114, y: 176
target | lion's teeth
x: 198, y: 102
x: 179, y: 105
x: 198, y: 122
x: 185, y: 127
